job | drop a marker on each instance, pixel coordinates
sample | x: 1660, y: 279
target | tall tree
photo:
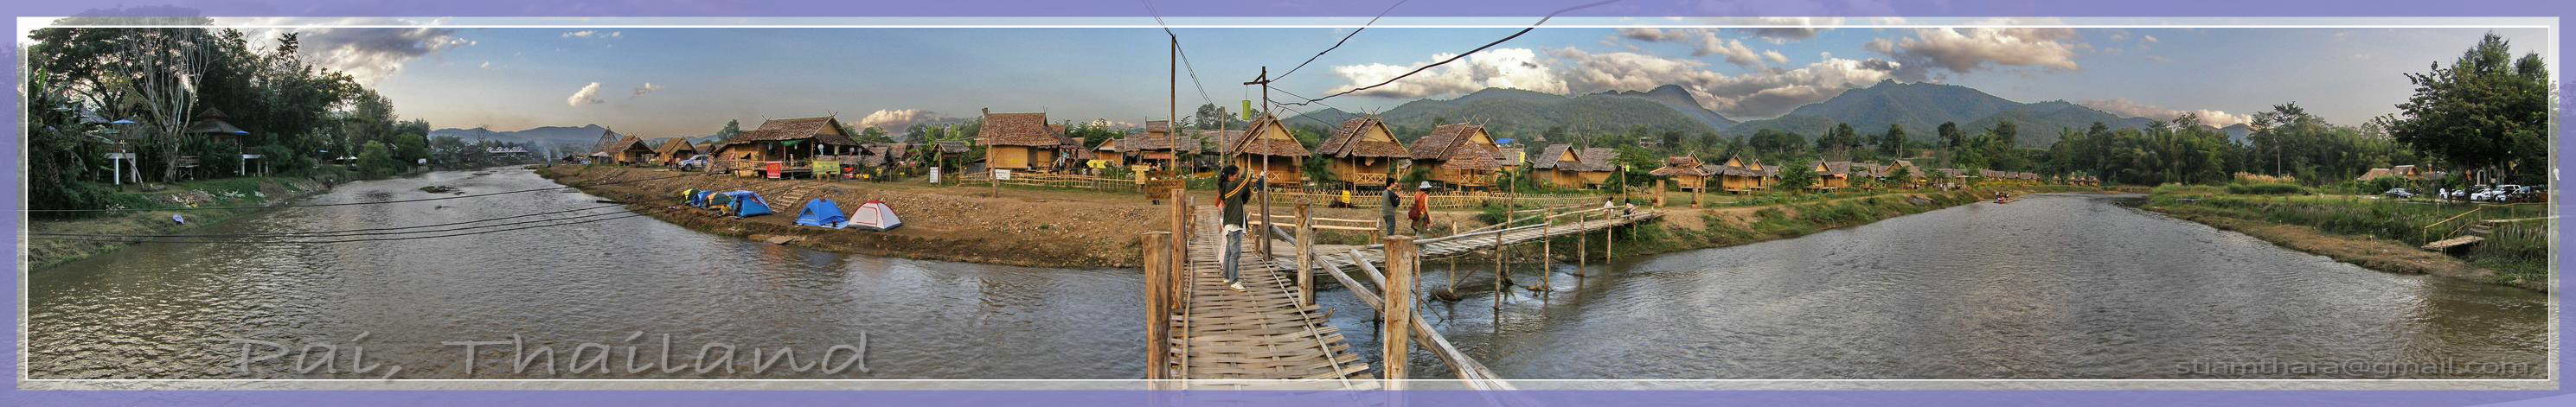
x: 1892, y: 143
x: 2487, y: 111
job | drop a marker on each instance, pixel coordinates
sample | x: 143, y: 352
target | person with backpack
x: 1233, y: 191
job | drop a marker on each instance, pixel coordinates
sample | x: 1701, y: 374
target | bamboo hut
x: 1159, y: 146
x: 674, y: 150
x: 1109, y: 151
x: 1460, y: 155
x: 630, y: 150
x: 1832, y: 175
x: 1267, y: 149
x: 1362, y: 152
x: 1018, y: 141
x: 1741, y: 174
x: 1686, y: 173
x: 1564, y: 166
x: 788, y: 141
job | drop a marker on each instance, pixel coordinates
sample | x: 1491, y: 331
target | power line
x: 1345, y: 38
x: 1454, y: 58
x: 204, y: 208
x: 1184, y: 53
x: 377, y: 231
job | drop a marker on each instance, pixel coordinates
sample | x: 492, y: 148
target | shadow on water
x: 2053, y: 286
x: 2048, y: 287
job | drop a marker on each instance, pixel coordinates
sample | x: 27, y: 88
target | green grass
x: 2519, y: 251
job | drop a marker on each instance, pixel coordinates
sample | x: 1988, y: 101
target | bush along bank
x: 149, y: 212
x: 2376, y: 232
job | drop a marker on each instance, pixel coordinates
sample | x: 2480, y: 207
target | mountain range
x: 1919, y: 107
x: 1511, y: 113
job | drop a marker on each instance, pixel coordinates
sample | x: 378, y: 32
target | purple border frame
x: 10, y: 164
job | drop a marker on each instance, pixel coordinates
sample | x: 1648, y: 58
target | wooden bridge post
x: 1266, y: 232
x: 1400, y: 269
x: 1453, y: 260
x: 1158, y: 302
x: 1659, y: 193
x: 1546, y: 247
x: 1609, y: 240
x: 1582, y: 249
x: 1180, y: 227
x: 1305, y: 256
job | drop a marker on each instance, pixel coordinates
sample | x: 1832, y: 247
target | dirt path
x: 2371, y: 253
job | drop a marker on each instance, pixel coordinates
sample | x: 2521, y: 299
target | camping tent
x: 874, y: 215
x: 821, y: 213
x: 698, y: 197
x: 744, y: 204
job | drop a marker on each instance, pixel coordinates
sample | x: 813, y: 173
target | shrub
x: 2266, y: 189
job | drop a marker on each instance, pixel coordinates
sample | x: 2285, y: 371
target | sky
x: 662, y: 82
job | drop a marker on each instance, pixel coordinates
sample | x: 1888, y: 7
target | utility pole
x: 1172, y: 123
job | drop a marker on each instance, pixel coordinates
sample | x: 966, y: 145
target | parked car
x: 2399, y: 193
x: 2498, y: 194
x: 695, y: 162
x: 2467, y: 194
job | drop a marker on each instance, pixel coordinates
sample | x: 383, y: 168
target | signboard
x: 1247, y: 109
x: 934, y: 175
x: 1001, y: 175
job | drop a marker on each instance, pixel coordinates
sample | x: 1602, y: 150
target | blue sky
x: 512, y: 78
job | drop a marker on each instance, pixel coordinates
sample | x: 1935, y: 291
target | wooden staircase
x: 793, y: 197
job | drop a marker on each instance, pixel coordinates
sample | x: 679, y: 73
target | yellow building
x: 1267, y: 149
x: 1740, y: 174
x: 1460, y: 155
x: 1686, y: 173
x: 1362, y: 152
x: 1018, y: 141
x: 1564, y: 166
x: 786, y: 140
x: 1832, y: 175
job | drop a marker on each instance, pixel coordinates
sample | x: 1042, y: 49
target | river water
x: 2048, y: 287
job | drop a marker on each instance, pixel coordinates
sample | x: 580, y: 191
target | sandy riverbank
x: 2367, y: 252
x: 1080, y: 228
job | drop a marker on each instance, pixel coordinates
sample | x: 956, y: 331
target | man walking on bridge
x: 1232, y: 193
x: 1386, y: 213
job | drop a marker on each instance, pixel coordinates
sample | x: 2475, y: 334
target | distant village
x: 1360, y: 153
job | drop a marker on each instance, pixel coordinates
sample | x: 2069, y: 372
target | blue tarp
x: 744, y: 204
x: 821, y: 213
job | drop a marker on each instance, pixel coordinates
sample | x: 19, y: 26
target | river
x: 2055, y: 286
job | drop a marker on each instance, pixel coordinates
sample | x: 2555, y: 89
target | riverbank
x: 1041, y: 227
x: 2374, y: 233
x: 228, y: 192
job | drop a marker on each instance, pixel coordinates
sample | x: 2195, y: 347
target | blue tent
x: 744, y: 204
x: 821, y: 213
x: 698, y: 198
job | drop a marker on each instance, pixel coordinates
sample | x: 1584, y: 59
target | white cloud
x: 896, y: 120
x: 648, y: 87
x: 1517, y: 68
x: 588, y: 95
x: 366, y: 54
x: 486, y: 65
x: 1964, y: 50
x: 2125, y: 107
x: 2149, y: 39
x: 1766, y: 93
x: 1703, y: 42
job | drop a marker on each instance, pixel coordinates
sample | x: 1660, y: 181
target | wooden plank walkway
x: 1259, y: 333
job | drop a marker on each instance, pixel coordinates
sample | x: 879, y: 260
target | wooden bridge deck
x: 1264, y: 332
x: 1259, y: 333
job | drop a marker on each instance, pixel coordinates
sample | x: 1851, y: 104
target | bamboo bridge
x: 1216, y: 337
